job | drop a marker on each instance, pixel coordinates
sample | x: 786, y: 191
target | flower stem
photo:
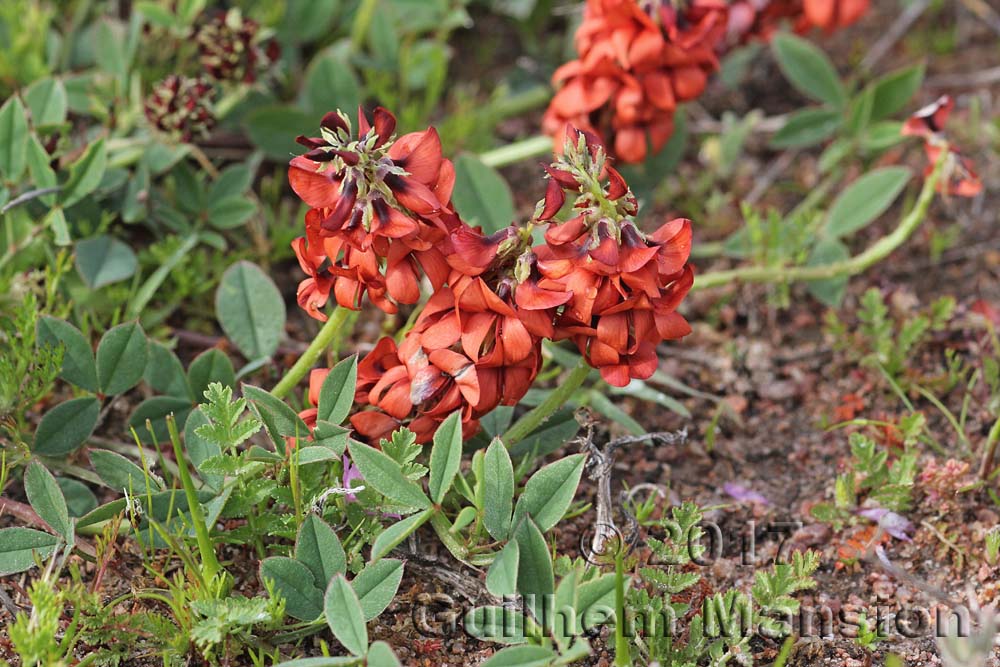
x: 622, y: 653
x: 332, y: 331
x: 848, y: 267
x: 536, y: 146
x: 209, y: 562
x: 555, y: 400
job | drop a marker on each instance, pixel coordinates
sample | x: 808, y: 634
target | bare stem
x: 332, y: 331
x: 848, y: 267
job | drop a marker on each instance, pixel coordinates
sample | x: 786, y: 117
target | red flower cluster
x: 637, y: 59
x: 760, y: 19
x: 597, y: 279
x: 181, y: 106
x: 636, y: 63
x: 960, y: 178
x: 231, y: 48
x: 380, y: 211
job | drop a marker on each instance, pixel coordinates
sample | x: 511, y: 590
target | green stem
x: 555, y: 400
x: 536, y: 146
x: 442, y: 527
x: 332, y: 331
x: 209, y: 561
x: 989, y: 450
x: 622, y: 654
x: 519, y: 103
x: 848, y: 267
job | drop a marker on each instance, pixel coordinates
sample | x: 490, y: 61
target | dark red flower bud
x: 333, y: 121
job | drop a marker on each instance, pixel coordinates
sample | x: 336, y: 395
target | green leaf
x: 121, y: 474
x: 481, y: 195
x: 56, y: 221
x: 66, y: 426
x: 553, y: 434
x: 809, y: 70
x: 103, y: 260
x: 279, y: 419
x: 13, y: 139
x: 446, y: 456
x: 210, y: 366
x: 79, y: 498
x: 331, y: 84
x: 344, y: 616
x: 85, y: 174
x: 109, y: 48
x: 47, y: 499
x: 534, y: 572
x: 273, y: 129
x: 20, y: 546
x: 498, y: 490
x: 199, y: 449
x: 336, y: 396
x: 865, y: 199
x: 42, y: 174
x: 497, y: 624
x: 342, y: 661
x: 831, y: 290
x: 156, y: 410
x: 380, y: 655
x: 121, y: 358
x: 234, y: 181
x: 78, y: 366
x: 384, y: 475
x: 376, y: 586
x: 549, y: 492
x: 882, y: 135
x: 895, y: 89
x: 46, y: 99
x: 157, y: 14
x: 164, y: 372
x: 231, y: 212
x: 521, y: 656
x: 501, y: 579
x: 807, y: 128
x: 250, y: 310
x: 389, y: 538
x: 318, y: 548
x: 307, y: 20
x: 294, y: 581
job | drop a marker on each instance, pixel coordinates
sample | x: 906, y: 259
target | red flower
x: 624, y: 286
x: 760, y: 19
x: 960, y: 178
x: 380, y: 212
x: 634, y: 67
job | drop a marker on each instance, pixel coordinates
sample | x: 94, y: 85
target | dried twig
x: 600, y: 463
x: 894, y: 33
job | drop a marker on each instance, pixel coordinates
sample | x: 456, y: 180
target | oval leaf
x: 295, y: 583
x: 103, y: 260
x: 389, y: 538
x: 250, y: 310
x: 121, y: 358
x: 498, y: 490
x: 208, y: 367
x: 481, y: 195
x: 20, y: 546
x: 384, y: 475
x: 318, y: 548
x: 66, y: 426
x: 549, y: 492
x: 501, y: 579
x: 446, y: 456
x: 78, y: 364
x: 376, y: 586
x: 809, y: 70
x: 336, y: 397
x: 85, y: 174
x: 344, y: 616
x: 13, y: 139
x: 865, y: 199
x: 46, y: 99
x: 121, y: 474
x: 47, y: 499
x: 807, y: 128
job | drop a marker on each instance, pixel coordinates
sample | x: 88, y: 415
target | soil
x: 783, y: 380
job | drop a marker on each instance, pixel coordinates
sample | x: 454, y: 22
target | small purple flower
x: 743, y: 494
x: 351, y: 473
x: 895, y: 524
